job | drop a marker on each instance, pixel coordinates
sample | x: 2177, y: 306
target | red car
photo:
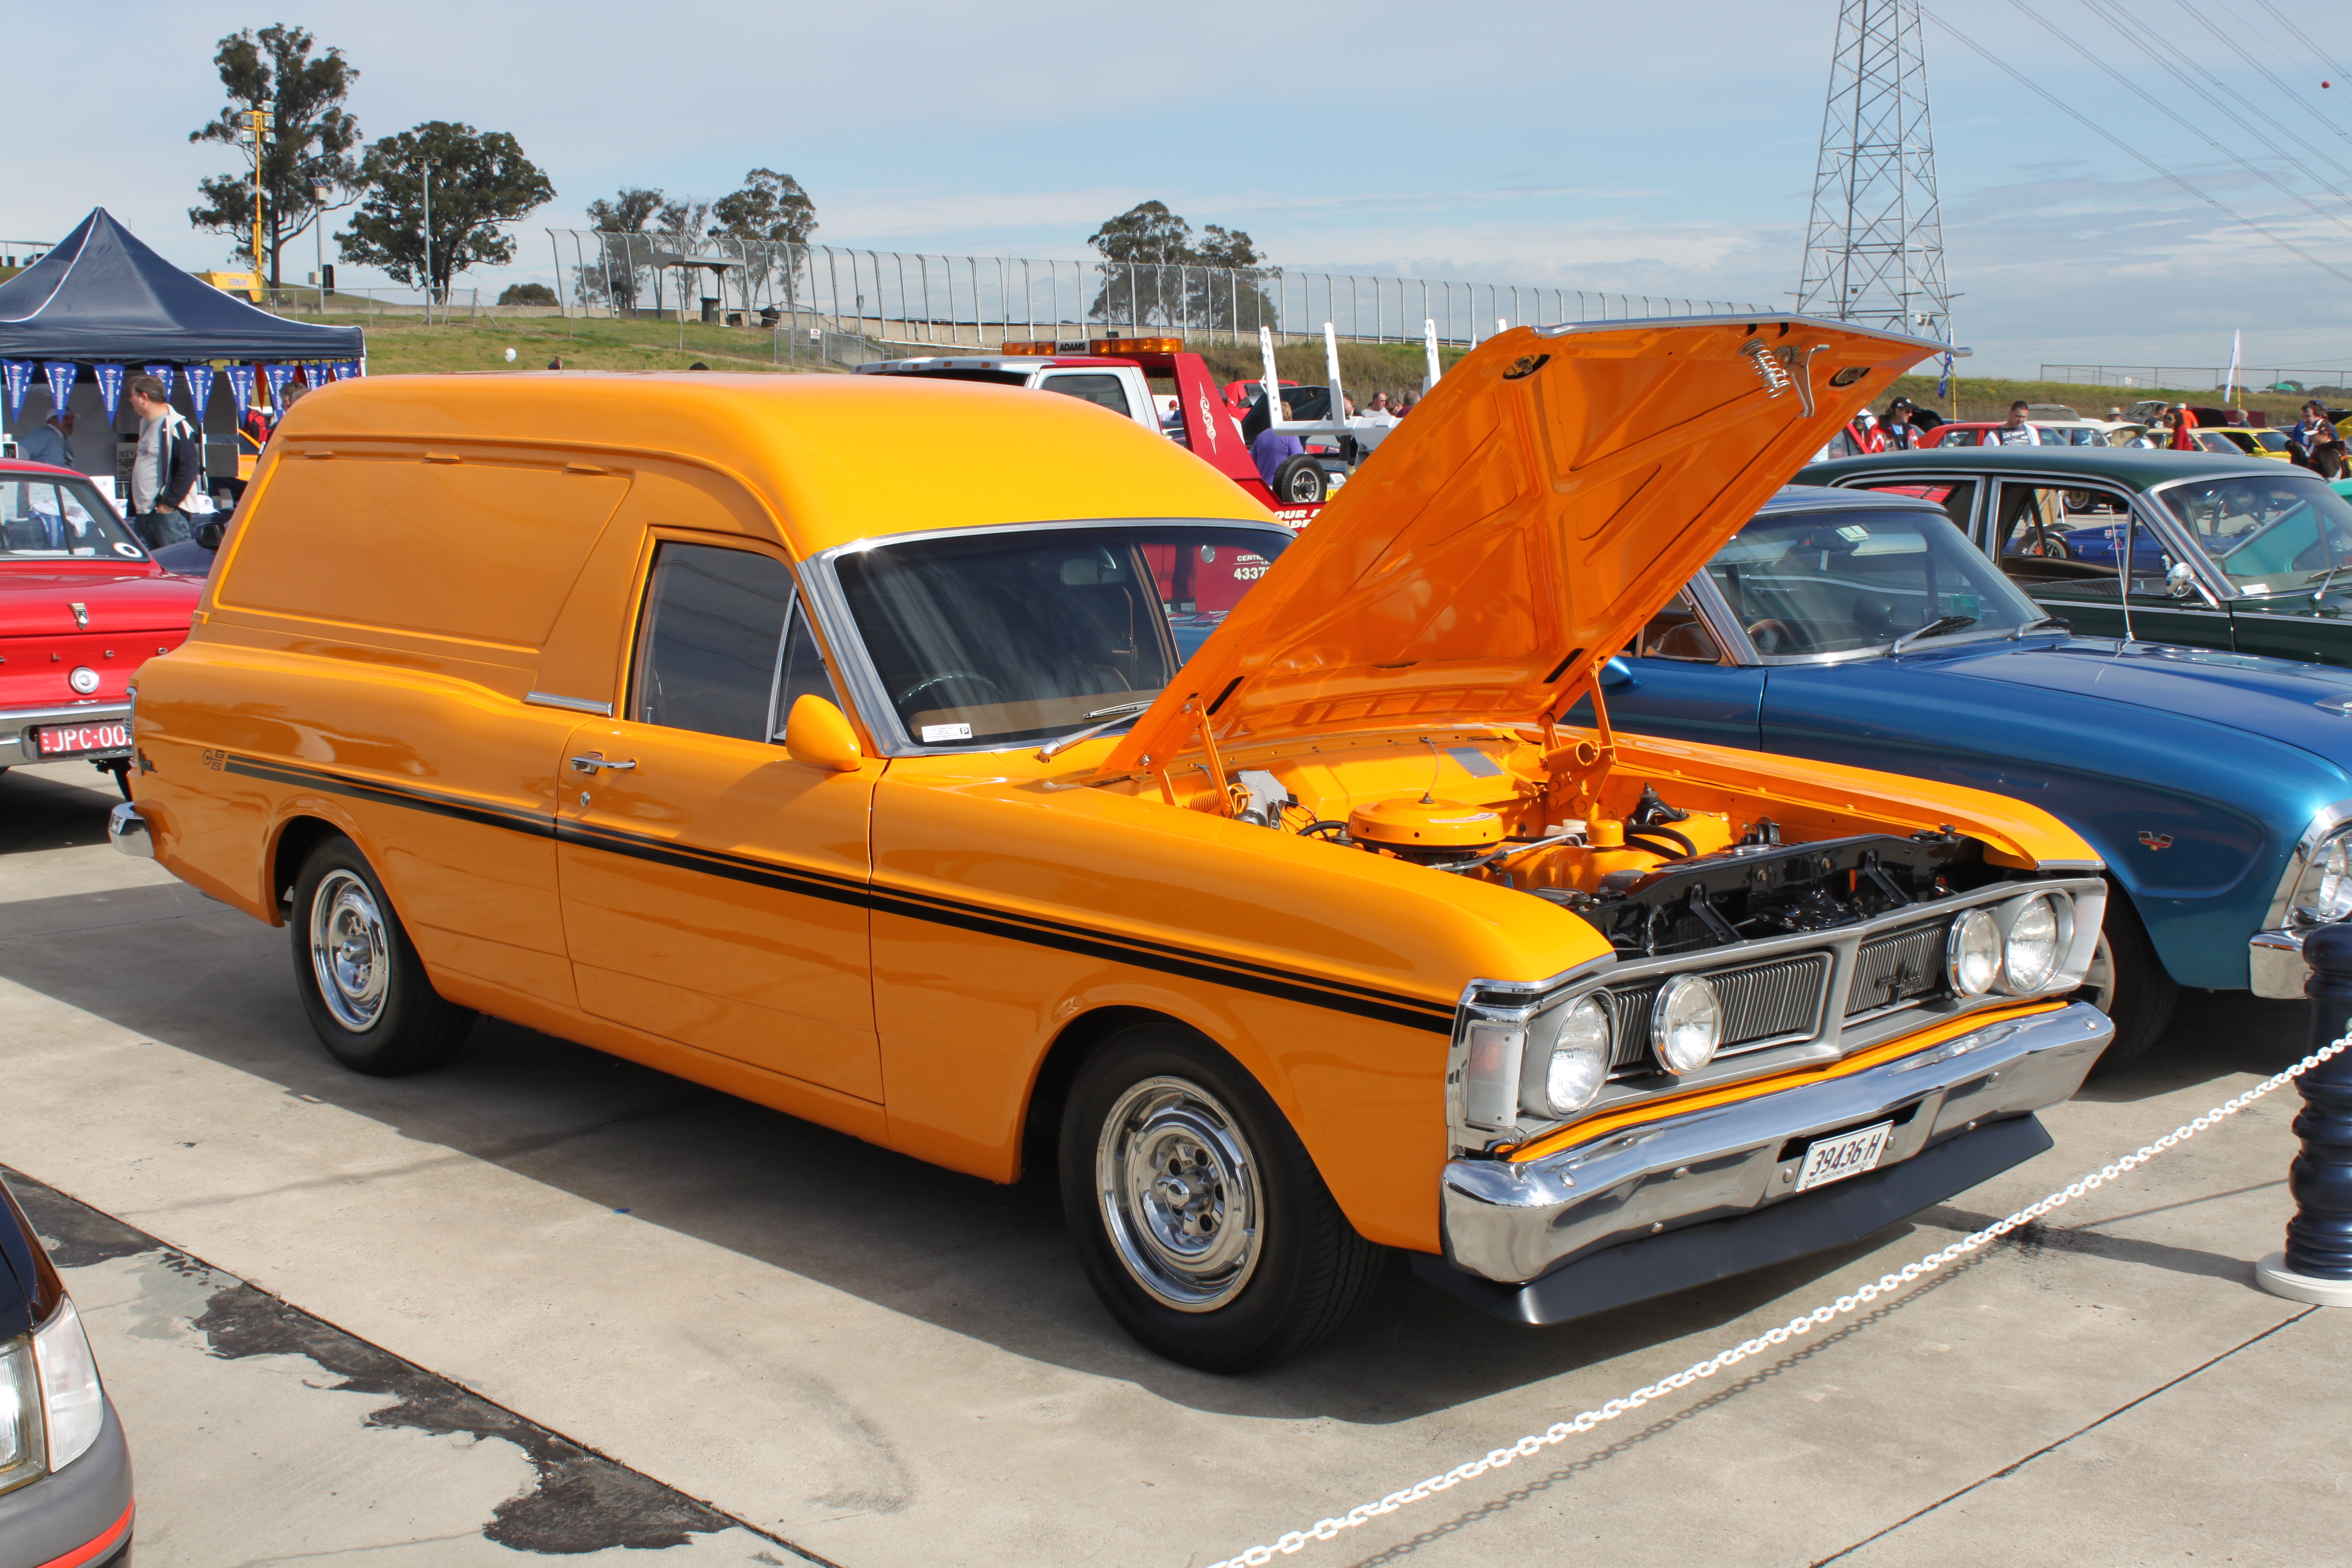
x: 82, y: 606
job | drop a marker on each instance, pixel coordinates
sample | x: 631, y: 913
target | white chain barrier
x: 1535, y: 1443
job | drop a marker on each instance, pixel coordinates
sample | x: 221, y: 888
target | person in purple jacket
x: 1274, y: 448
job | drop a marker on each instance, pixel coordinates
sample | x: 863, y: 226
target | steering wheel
x: 1774, y: 635
x: 996, y: 692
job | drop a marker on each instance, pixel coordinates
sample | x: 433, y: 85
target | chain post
x: 2316, y: 1265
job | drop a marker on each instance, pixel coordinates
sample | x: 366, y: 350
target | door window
x: 1104, y: 391
x: 2035, y: 525
x: 725, y: 649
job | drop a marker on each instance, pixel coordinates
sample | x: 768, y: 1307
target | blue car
x: 1860, y: 628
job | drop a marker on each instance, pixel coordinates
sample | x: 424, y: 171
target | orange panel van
x: 982, y: 775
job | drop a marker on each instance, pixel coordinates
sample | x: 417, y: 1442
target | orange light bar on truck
x: 1113, y: 346
x: 1047, y: 347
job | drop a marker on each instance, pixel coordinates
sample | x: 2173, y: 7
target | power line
x: 2268, y: 75
x: 2286, y: 22
x: 2149, y: 40
x: 2126, y: 148
x: 2161, y: 108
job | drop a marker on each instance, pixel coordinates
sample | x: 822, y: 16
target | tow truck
x: 1116, y: 373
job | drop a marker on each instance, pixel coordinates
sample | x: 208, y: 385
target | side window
x: 1104, y: 391
x: 1676, y: 632
x: 2036, y: 524
x: 803, y: 673
x: 1957, y: 497
x: 714, y: 623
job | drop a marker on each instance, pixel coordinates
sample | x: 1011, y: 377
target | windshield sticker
x: 947, y: 732
x: 1854, y: 531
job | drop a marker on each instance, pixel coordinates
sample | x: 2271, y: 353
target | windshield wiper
x: 2047, y: 622
x: 1934, y: 629
x: 1125, y: 711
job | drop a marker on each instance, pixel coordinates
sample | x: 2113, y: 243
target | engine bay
x: 1659, y: 863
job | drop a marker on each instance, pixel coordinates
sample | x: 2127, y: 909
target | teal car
x: 2233, y: 552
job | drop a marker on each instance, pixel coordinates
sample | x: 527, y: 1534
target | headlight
x: 2331, y: 899
x: 70, y: 1386
x: 1686, y: 1023
x: 1568, y: 1058
x: 1972, y: 953
x: 2031, y: 953
x: 20, y: 1414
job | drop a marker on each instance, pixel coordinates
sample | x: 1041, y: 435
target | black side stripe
x: 1360, y: 1001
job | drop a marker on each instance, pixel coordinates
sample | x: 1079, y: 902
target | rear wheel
x: 362, y: 983
x: 1300, y: 481
x: 1199, y: 1217
x: 2127, y: 982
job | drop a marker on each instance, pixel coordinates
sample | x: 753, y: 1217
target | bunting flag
x: 61, y: 379
x: 200, y: 389
x: 161, y: 372
x: 280, y: 374
x: 1944, y: 382
x: 240, y: 387
x: 18, y: 375
x: 109, y: 387
x: 347, y: 370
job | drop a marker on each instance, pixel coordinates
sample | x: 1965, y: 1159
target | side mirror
x: 1616, y: 673
x: 818, y: 734
x: 2176, y: 581
x: 209, y: 534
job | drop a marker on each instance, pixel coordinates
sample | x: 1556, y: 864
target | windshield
x: 1832, y: 581
x: 997, y: 637
x: 60, y: 520
x: 2266, y: 534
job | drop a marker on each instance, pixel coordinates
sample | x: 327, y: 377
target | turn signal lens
x: 1972, y: 953
x: 1686, y: 1023
x: 1577, y: 1064
x: 2031, y: 955
x: 70, y: 1386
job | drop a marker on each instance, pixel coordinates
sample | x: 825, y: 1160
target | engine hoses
x: 1657, y: 842
x: 1316, y: 830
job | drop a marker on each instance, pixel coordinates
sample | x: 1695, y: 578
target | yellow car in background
x: 2230, y: 441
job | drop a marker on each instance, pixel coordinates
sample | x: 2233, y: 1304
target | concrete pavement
x: 836, y: 1350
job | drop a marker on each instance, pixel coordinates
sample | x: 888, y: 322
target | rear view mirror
x: 818, y: 734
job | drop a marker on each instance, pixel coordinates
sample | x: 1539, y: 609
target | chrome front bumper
x: 1514, y: 1222
x: 17, y: 745
x: 2275, y: 963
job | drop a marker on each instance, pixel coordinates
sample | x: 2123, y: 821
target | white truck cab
x: 1116, y: 384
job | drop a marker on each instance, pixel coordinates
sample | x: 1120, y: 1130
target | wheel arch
x: 1049, y: 1085
x: 292, y: 840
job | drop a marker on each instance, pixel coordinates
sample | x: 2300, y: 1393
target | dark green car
x: 2243, y: 554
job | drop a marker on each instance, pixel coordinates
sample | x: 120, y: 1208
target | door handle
x: 591, y: 762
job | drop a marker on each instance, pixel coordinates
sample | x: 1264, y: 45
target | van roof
x: 835, y: 459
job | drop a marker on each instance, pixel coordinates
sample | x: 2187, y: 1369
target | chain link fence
x: 909, y: 300
x: 2198, y: 378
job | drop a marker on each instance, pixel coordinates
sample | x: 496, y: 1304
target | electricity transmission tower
x: 1874, y: 248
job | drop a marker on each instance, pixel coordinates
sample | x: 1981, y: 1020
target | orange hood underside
x: 1548, y: 497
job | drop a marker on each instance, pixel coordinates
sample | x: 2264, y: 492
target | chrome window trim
x: 569, y: 704
x: 862, y: 683
x: 2326, y: 820
x: 1518, y: 1002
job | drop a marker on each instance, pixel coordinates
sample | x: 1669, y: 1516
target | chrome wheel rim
x: 348, y: 949
x: 2098, y: 987
x: 1180, y: 1194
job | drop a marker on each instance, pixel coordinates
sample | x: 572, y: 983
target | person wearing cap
x: 1901, y: 434
x: 50, y: 442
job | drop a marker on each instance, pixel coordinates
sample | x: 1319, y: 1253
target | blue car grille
x: 1903, y: 966
x: 1761, y: 1002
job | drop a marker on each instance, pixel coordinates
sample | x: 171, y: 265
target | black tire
x: 1158, y: 1097
x: 1299, y: 482
x: 374, y: 1009
x: 2135, y: 991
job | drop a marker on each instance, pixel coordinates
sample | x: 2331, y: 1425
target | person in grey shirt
x: 170, y: 462
x: 49, y: 442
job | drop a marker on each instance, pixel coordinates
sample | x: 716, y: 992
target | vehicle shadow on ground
x: 967, y: 1256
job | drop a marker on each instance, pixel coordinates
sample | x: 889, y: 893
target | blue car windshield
x: 2269, y: 534
x: 1835, y: 582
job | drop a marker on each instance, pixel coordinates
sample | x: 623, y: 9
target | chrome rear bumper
x: 1515, y: 1222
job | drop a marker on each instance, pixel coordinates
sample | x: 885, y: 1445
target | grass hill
x: 405, y: 346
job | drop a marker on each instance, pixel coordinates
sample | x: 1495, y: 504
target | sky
x: 1652, y: 148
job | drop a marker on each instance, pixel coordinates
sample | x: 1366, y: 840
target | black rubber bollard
x: 2316, y: 1265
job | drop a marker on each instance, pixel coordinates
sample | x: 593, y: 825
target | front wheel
x: 363, y: 986
x: 1199, y: 1217
x: 2126, y: 981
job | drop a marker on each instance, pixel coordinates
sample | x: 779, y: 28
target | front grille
x: 1760, y: 1002
x: 1900, y: 967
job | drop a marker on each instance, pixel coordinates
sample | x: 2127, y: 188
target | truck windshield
x: 998, y: 638
x: 60, y: 520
